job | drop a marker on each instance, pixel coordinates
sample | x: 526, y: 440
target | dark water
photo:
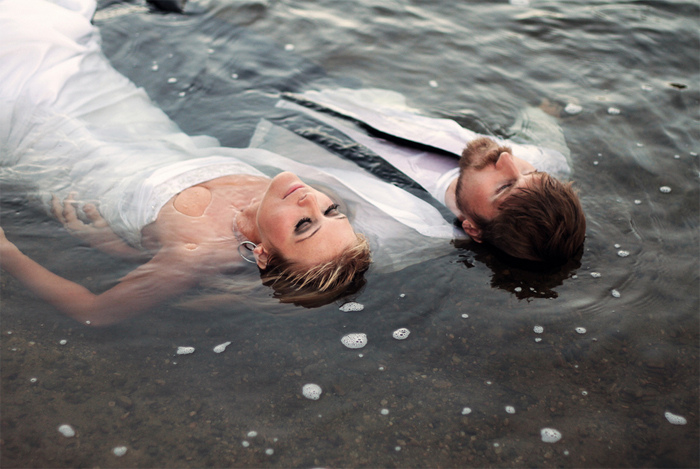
x: 606, y: 390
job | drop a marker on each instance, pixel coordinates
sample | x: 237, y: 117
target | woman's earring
x: 248, y: 246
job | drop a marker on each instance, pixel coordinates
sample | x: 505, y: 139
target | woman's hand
x: 97, y: 233
x: 7, y: 248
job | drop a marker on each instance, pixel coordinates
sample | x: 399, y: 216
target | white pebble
x: 510, y: 409
x: 517, y: 289
x: 397, y: 448
x: 401, y: 334
x: 221, y: 347
x: 269, y: 451
x: 352, y: 306
x: 172, y: 80
x: 675, y: 419
x: 311, y: 391
x: 433, y: 83
x: 245, y: 444
x: 63, y: 342
x: 538, y: 339
x: 185, y: 350
x: 637, y: 202
x: 252, y: 434
x: 581, y: 330
x: 234, y: 76
x: 584, y: 393
x: 354, y: 340
x: 88, y: 322
x: 665, y: 189
x: 154, y: 67
x: 615, y: 293
x: 572, y: 108
x: 550, y: 435
x: 613, y: 111
x: 32, y: 380
x: 623, y: 253
x: 381, y: 368
x: 595, y: 274
x: 538, y: 329
x: 385, y: 411
x: 66, y: 430
x: 402, y: 295
x: 465, y: 316
x: 466, y: 411
x: 119, y: 451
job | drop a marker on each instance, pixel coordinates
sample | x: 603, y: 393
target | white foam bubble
x: 465, y: 316
x: 675, y: 419
x: 354, y: 340
x: 119, y: 451
x: 311, y: 391
x: 665, y: 189
x: 245, y: 444
x: 538, y: 329
x: 595, y: 274
x: 352, y: 306
x: 172, y: 80
x: 573, y: 108
x: 401, y: 334
x: 623, y: 253
x: 538, y: 339
x: 252, y: 434
x: 66, y: 430
x: 510, y: 409
x: 185, y: 350
x: 581, y: 330
x: 63, y: 342
x: 466, y: 411
x: 221, y: 347
x: 433, y: 83
x: 550, y: 435
x: 384, y: 411
x: 637, y: 202
x: 613, y: 111
x: 269, y: 451
x: 615, y: 293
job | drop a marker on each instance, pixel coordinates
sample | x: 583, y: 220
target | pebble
x: 185, y: 350
x: 221, y: 347
x: 595, y: 274
x: 401, y: 334
x: 466, y: 411
x: 385, y: 411
x: 465, y: 316
x: 433, y: 83
x: 63, y: 342
x: 538, y: 339
x: 615, y: 293
x: 675, y: 419
x: 119, y: 451
x: 538, y: 329
x: 66, y: 430
x: 613, y: 111
x: 354, y: 340
x: 269, y: 451
x: 311, y: 391
x: 623, y: 253
x: 550, y: 435
x: 253, y: 433
x: 352, y: 306
x: 665, y: 189
x: 289, y: 47
x: 510, y: 409
x: 245, y: 444
x: 172, y: 80
x: 581, y: 330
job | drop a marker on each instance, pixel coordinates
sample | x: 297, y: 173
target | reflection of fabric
x: 432, y: 163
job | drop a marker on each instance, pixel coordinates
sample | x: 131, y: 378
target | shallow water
x: 605, y: 390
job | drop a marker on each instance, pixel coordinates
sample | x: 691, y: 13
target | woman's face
x: 300, y: 223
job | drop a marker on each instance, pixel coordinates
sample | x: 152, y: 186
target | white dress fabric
x: 69, y: 122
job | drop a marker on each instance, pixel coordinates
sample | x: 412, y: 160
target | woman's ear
x: 471, y: 229
x: 262, y: 255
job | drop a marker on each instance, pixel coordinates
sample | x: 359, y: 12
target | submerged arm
x: 161, y: 278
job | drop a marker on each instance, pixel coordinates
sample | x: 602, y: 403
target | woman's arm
x: 97, y: 233
x: 163, y: 277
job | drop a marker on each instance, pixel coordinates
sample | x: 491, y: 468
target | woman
x: 70, y: 124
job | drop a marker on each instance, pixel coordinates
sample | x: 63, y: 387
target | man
x: 503, y: 193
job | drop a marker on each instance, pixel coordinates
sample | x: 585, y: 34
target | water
x: 472, y: 317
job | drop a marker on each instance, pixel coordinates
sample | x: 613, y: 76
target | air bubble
x: 354, y: 340
x: 401, y: 334
x: 185, y: 350
x: 351, y: 306
x: 221, y: 347
x: 675, y: 419
x: 550, y: 435
x: 311, y: 391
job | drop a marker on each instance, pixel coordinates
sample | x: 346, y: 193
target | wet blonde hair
x: 320, y: 284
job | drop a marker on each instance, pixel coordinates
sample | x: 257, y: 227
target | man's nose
x: 506, y: 163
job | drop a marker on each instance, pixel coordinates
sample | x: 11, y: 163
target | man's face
x: 488, y: 176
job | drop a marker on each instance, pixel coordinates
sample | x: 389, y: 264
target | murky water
x: 606, y: 387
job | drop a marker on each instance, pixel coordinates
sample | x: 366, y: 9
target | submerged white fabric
x: 537, y: 138
x: 70, y: 122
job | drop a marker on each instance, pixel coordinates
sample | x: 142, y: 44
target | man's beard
x: 482, y: 152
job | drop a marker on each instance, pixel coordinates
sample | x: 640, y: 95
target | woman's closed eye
x: 332, y: 210
x: 302, y: 224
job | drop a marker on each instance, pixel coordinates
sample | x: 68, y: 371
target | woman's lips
x: 292, y: 189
